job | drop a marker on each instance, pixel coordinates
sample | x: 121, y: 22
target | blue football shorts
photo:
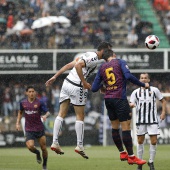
x: 118, y: 109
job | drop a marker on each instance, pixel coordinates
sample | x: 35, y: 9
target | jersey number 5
x: 110, y: 76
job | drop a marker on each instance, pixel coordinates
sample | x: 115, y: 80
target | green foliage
x: 100, y: 158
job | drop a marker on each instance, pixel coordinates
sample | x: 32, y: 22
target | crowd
x: 85, y: 17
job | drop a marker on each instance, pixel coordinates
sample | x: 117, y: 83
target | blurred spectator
x: 18, y: 94
x: 14, y: 41
x: 133, y: 21
x: 104, y: 20
x: 55, y: 99
x: 31, y: 17
x: 22, y: 15
x: 143, y: 29
x: 36, y: 5
x: 113, y: 9
x: 39, y: 35
x: 7, y: 102
x: 60, y: 4
x: 10, y: 20
x: 2, y: 33
x: 52, y: 37
x: 25, y: 41
x: 161, y: 5
x: 132, y: 39
x: 46, y: 8
x: 44, y: 98
x: 167, y: 24
x: 68, y: 42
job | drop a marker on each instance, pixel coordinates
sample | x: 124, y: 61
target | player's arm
x: 62, y: 70
x: 131, y: 77
x: 18, y: 122
x: 78, y: 66
x: 44, y: 109
x: 44, y: 117
x: 132, y: 100
x: 163, y: 114
x: 97, y: 82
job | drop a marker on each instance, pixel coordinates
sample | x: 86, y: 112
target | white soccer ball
x: 152, y: 42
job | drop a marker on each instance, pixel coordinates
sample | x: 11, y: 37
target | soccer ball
x: 152, y: 42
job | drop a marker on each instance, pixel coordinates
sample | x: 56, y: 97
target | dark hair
x: 104, y: 45
x: 107, y: 53
x: 29, y: 87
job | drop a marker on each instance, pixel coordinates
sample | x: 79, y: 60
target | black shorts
x: 30, y: 135
x: 118, y: 109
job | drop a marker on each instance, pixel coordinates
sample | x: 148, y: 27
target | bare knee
x: 30, y: 146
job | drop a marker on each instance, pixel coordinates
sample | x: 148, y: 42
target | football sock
x: 44, y: 162
x: 57, y: 127
x: 36, y: 151
x: 140, y: 150
x: 127, y: 140
x: 117, y: 139
x: 152, y: 152
x: 79, y: 127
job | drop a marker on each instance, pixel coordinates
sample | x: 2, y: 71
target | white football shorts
x: 152, y: 129
x: 76, y: 94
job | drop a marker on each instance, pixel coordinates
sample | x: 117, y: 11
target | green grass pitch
x: 100, y: 158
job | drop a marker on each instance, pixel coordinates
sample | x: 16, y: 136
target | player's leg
x: 117, y: 139
x: 58, y: 126
x: 110, y: 105
x: 30, y: 137
x: 42, y: 143
x: 140, y: 145
x: 153, y: 131
x: 123, y: 113
x: 127, y: 140
x: 79, y: 127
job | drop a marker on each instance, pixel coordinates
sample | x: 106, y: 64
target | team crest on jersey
x: 35, y: 106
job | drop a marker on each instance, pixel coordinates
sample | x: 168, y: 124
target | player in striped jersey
x: 147, y: 121
x: 74, y: 90
x: 114, y: 74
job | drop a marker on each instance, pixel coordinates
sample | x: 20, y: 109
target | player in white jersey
x: 74, y: 90
x: 147, y: 122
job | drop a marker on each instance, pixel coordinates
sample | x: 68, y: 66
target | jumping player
x: 74, y: 91
x: 114, y: 74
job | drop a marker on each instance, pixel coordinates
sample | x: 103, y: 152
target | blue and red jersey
x: 114, y: 75
x: 33, y: 112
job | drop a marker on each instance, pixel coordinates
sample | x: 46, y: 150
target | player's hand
x: 18, y: 126
x: 86, y: 85
x: 147, y: 85
x: 162, y: 116
x: 102, y: 90
x: 50, y: 81
x: 131, y: 105
x: 43, y: 118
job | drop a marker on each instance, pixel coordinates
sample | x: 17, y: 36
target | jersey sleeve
x: 133, y: 98
x: 43, y: 107
x: 97, y: 82
x: 158, y: 94
x: 21, y: 106
x: 128, y: 75
x: 89, y: 59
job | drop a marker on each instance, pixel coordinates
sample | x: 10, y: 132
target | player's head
x: 103, y: 46
x: 31, y: 92
x: 108, y: 54
x: 144, y: 78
